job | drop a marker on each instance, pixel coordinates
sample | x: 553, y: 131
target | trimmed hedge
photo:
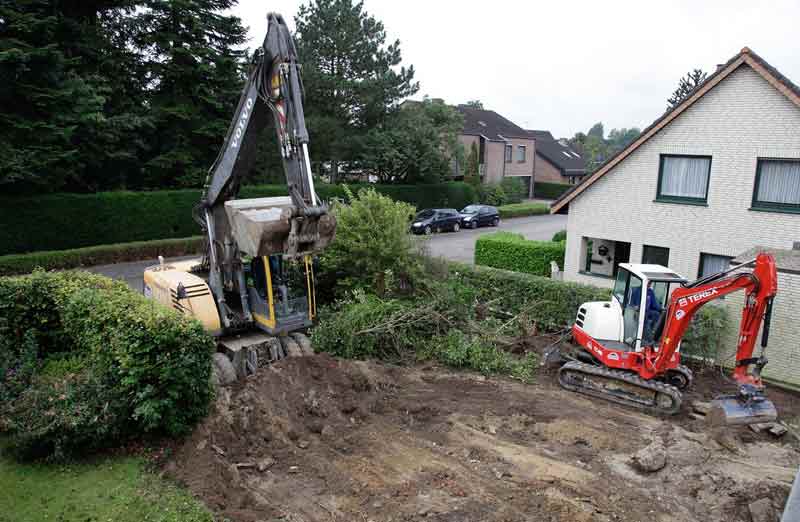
x: 513, y: 252
x: 523, y: 209
x: 86, y: 362
x: 561, y: 235
x: 68, y: 221
x: 15, y: 264
x: 550, y: 190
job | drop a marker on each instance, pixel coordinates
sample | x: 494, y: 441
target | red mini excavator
x: 631, y: 344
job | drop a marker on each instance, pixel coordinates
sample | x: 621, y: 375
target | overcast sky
x: 562, y: 66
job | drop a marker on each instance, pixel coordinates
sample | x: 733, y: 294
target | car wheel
x: 474, y: 224
x: 456, y: 227
x: 428, y: 230
x: 496, y: 222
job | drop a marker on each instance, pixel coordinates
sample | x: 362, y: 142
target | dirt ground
x: 320, y: 439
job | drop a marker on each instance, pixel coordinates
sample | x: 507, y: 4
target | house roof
x: 489, y: 124
x: 744, y: 57
x: 541, y: 134
x: 785, y: 260
x: 563, y: 157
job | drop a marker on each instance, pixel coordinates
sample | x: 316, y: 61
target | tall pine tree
x: 351, y: 77
x: 197, y: 69
x: 61, y: 80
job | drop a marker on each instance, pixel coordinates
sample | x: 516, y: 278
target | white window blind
x: 684, y: 177
x: 779, y: 182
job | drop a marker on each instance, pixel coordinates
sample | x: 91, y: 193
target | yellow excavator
x: 254, y: 286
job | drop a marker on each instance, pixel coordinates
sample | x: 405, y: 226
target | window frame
x: 683, y: 199
x: 770, y: 206
x: 524, y: 150
x: 645, y: 247
x: 509, y: 156
x: 703, y: 255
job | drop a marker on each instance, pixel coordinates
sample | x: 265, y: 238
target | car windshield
x: 425, y: 214
x: 472, y: 209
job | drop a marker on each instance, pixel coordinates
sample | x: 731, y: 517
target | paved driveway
x: 460, y: 246
x: 455, y: 246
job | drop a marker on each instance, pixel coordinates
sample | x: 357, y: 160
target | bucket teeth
x: 736, y: 411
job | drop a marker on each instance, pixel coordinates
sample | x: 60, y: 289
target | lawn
x: 111, y: 489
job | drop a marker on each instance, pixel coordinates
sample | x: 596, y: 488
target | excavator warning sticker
x: 679, y: 314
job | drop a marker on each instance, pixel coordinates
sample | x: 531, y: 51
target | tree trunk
x: 334, y: 171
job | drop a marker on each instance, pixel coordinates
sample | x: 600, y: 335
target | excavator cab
x: 281, y: 293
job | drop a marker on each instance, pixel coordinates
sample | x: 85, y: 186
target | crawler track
x: 621, y: 387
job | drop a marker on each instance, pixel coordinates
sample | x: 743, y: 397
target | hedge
x: 523, y: 209
x: 68, y: 221
x: 15, y: 264
x: 550, y: 190
x: 513, y: 252
x: 553, y: 304
x: 86, y: 363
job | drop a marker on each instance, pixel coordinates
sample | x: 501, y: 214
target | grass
x: 115, y: 489
x: 523, y: 209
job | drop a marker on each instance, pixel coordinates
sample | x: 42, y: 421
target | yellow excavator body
x: 174, y: 285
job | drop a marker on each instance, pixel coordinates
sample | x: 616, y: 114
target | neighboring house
x: 708, y: 180
x: 556, y: 161
x: 504, y: 149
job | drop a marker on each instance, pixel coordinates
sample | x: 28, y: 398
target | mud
x: 319, y: 439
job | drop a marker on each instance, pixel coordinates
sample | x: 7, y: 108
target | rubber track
x: 589, y: 370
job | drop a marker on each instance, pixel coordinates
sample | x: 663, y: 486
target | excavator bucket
x: 266, y: 226
x: 746, y: 407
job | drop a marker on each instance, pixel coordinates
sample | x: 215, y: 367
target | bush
x: 704, y: 336
x: 514, y: 189
x: 493, y: 194
x: 550, y: 190
x: 108, y: 364
x: 98, y: 255
x: 373, y: 247
x: 523, y: 209
x: 561, y: 235
x: 68, y: 221
x: 513, y: 252
x: 550, y: 304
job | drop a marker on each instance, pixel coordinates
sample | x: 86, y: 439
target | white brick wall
x: 741, y: 119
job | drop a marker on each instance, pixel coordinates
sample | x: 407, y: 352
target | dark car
x: 474, y: 216
x: 436, y: 220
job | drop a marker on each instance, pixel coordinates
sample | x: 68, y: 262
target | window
x: 509, y: 152
x: 520, y: 153
x: 713, y: 264
x: 777, y: 185
x: 601, y: 257
x: 683, y: 179
x: 653, y: 255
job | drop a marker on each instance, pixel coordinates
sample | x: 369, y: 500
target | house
x: 504, y: 149
x: 714, y: 177
x: 556, y: 161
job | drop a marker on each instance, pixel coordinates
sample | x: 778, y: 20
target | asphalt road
x: 455, y: 246
x: 460, y: 246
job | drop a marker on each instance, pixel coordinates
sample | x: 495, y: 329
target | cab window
x: 619, y: 286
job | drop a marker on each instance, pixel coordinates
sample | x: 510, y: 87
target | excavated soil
x: 321, y: 439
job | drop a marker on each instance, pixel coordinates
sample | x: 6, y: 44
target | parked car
x: 474, y: 216
x: 436, y: 220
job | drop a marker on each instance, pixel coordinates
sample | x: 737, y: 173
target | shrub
x: 514, y: 252
x: 704, y: 336
x: 68, y: 221
x: 561, y: 235
x: 514, y: 189
x: 108, y: 364
x: 493, y: 194
x: 523, y: 209
x: 550, y: 190
x: 98, y: 255
x: 372, y: 248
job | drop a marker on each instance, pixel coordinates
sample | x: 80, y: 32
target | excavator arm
x: 293, y: 226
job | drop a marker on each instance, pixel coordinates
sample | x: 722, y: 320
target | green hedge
x: 550, y: 190
x: 513, y: 252
x: 86, y: 362
x: 523, y: 209
x: 15, y: 264
x: 67, y: 221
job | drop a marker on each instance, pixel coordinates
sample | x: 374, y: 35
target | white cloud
x: 562, y: 66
